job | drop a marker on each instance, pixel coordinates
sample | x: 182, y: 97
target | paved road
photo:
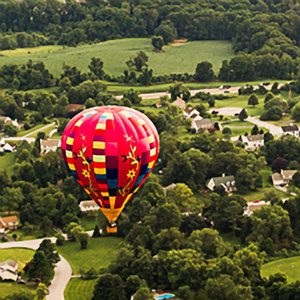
x: 231, y: 111
x: 27, y: 137
x: 213, y: 91
x: 63, y: 270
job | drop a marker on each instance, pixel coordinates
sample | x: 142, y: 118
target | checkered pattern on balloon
x: 110, y: 151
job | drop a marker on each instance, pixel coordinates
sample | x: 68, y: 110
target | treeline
x: 253, y: 26
x: 22, y: 40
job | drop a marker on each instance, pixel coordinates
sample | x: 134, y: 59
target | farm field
x: 290, y: 266
x: 78, y: 289
x: 179, y: 59
x: 99, y: 253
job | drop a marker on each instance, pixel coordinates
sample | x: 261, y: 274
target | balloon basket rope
x: 111, y: 229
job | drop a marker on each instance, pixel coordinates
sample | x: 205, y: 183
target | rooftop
x: 88, y: 203
x: 289, y: 128
x: 256, y: 137
x: 50, y: 143
x: 9, y: 262
x: 179, y: 102
x: 223, y: 179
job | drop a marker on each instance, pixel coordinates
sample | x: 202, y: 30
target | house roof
x: 88, y: 203
x: 50, y: 143
x: 9, y: 262
x: 180, y: 103
x: 11, y: 144
x: 194, y: 116
x: 289, y: 128
x: 75, y: 107
x: 189, y: 109
x: 256, y: 137
x: 10, y: 219
x: 3, y: 118
x: 223, y: 179
x: 288, y: 173
x: 204, y: 123
x: 276, y: 177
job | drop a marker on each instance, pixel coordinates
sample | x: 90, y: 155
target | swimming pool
x: 164, y: 296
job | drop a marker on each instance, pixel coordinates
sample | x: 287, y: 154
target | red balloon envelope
x: 110, y: 151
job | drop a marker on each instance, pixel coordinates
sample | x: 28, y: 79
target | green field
x: 22, y: 256
x: 290, y: 266
x: 7, y: 288
x: 99, y: 253
x: 7, y: 161
x: 179, y: 59
x: 79, y: 289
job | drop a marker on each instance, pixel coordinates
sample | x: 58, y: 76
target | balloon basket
x: 111, y: 229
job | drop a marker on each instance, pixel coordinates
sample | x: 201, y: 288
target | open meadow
x: 115, y: 53
x: 290, y: 266
x: 99, y: 253
x: 78, y: 289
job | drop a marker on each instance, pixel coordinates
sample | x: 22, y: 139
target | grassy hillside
x: 290, y: 266
x: 99, y: 253
x: 78, y: 289
x: 175, y: 59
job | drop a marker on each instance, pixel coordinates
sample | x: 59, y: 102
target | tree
x: 133, y: 283
x: 96, y: 232
x: 296, y: 112
x: 253, y: 100
x: 96, y: 67
x: 167, y: 30
x: 83, y: 239
x: 143, y: 294
x: 226, y: 130
x: 204, y: 71
x: 110, y: 287
x: 181, y: 195
x: 269, y: 96
x: 243, y: 115
x: 211, y: 102
x: 279, y: 164
x: 140, y: 60
x: 254, y: 130
x: 157, y: 42
x: 41, y: 291
x: 10, y: 130
x: 207, y: 241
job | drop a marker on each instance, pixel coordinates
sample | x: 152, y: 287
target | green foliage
x: 243, y: 115
x: 204, y: 71
x: 253, y: 100
x: 157, y: 42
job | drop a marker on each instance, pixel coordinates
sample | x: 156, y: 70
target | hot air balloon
x: 110, y: 151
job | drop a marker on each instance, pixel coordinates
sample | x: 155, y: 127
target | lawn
x: 7, y: 161
x: 88, y: 222
x: 8, y: 288
x: 290, y: 266
x: 22, y: 256
x: 78, y: 289
x: 99, y: 253
x: 178, y: 59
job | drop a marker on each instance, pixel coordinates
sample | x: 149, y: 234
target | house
x: 8, y: 120
x: 204, y: 124
x: 8, y: 223
x: 9, y: 270
x: 9, y: 147
x: 169, y: 187
x: 73, y: 109
x: 156, y: 105
x: 2, y: 141
x: 290, y: 130
x: 227, y: 182
x: 179, y: 103
x: 88, y: 205
x: 193, y: 114
x: 49, y: 145
x: 252, y: 206
x: 284, y: 178
x: 253, y: 142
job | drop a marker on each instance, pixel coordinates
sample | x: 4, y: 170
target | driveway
x: 227, y: 111
x: 63, y: 270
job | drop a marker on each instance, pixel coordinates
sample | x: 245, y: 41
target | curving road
x: 63, y: 270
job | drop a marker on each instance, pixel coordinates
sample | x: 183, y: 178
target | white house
x: 9, y: 270
x: 49, y: 145
x: 88, y: 205
x: 252, y: 206
x: 8, y: 147
x: 284, y: 178
x: 227, y: 182
x: 8, y: 223
x: 8, y: 120
x: 253, y: 142
x: 290, y: 130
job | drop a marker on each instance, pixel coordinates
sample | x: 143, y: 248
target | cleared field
x: 8, y: 288
x: 99, y: 253
x: 22, y: 256
x: 290, y: 266
x: 115, y: 54
x: 79, y: 289
x: 7, y: 161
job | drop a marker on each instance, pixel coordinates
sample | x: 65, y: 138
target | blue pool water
x: 165, y: 296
